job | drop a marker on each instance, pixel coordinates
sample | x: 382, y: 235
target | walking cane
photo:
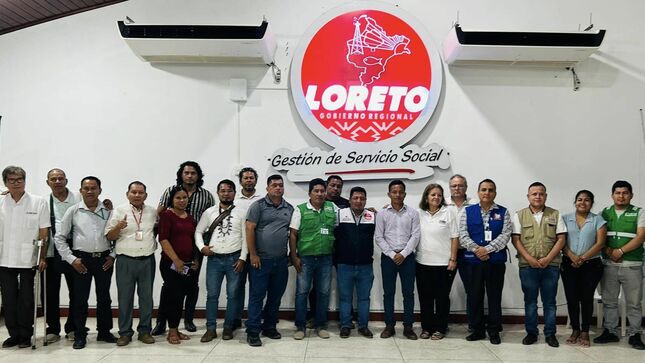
x: 44, y: 306
x: 39, y: 245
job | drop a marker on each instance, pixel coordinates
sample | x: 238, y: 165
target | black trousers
x: 17, y: 286
x: 433, y: 285
x: 191, y: 297
x: 486, y: 278
x: 579, y: 287
x: 56, y: 268
x: 82, y: 285
x: 177, y: 289
x: 464, y: 274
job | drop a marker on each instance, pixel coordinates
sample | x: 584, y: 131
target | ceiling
x: 19, y: 14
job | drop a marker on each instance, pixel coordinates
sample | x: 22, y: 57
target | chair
x: 621, y: 306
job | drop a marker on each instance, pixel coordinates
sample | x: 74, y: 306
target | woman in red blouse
x: 178, y: 264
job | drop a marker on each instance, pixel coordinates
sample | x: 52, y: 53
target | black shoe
x: 10, y: 342
x: 552, y: 341
x: 529, y: 339
x: 494, y: 338
x: 606, y: 337
x: 409, y: 333
x: 272, y: 334
x: 636, y: 342
x: 189, y: 325
x: 366, y: 332
x: 79, y: 342
x: 159, y: 329
x: 237, y: 323
x: 24, y: 343
x: 345, y: 332
x: 106, y: 337
x: 476, y: 336
x: 253, y: 340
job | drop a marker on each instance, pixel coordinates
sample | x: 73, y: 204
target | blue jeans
x: 544, y: 281
x: 270, y: 281
x: 406, y: 272
x: 314, y: 268
x: 216, y: 269
x: 348, y: 277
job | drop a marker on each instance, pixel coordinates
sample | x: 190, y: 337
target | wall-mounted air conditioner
x: 475, y: 47
x: 233, y: 44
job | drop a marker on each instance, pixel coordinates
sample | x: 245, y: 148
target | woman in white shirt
x: 436, y: 258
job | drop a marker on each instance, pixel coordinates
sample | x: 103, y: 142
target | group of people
x: 256, y: 237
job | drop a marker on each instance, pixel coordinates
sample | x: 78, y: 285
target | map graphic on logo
x: 371, y: 48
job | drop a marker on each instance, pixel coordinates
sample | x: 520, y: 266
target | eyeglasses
x: 15, y: 180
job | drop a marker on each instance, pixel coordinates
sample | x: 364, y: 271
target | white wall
x: 73, y: 95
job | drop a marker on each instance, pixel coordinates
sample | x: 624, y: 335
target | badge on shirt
x: 324, y: 231
x: 497, y: 217
x: 488, y: 236
x: 138, y: 235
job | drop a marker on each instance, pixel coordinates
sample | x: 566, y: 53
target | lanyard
x: 357, y: 222
x: 102, y: 216
x: 138, y: 222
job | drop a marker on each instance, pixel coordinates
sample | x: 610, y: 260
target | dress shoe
x: 146, y: 338
x: 529, y: 339
x: 476, y: 336
x: 388, y: 332
x: 159, y: 329
x: 552, y: 341
x: 409, y: 333
x: 79, y: 343
x: 227, y: 333
x: 106, y: 337
x: 24, y: 343
x: 189, y: 325
x: 495, y: 338
x: 10, y: 342
x: 254, y: 340
x: 272, y: 334
x: 606, y: 337
x: 345, y: 332
x: 366, y: 332
x: 123, y: 340
x: 208, y: 336
x: 636, y: 342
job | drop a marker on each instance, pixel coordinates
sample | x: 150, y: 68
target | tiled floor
x: 313, y: 349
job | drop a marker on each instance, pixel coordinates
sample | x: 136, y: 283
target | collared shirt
x: 87, y: 229
x: 242, y: 202
x: 59, y: 208
x: 397, y: 231
x: 272, y: 226
x: 468, y: 201
x: 199, y: 201
x: 437, y: 231
x: 297, y: 216
x: 580, y: 240
x: 495, y: 245
x: 127, y: 244
x: 229, y: 236
x: 20, y: 223
x: 517, y: 226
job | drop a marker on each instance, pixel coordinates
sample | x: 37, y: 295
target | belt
x: 137, y: 257
x: 226, y: 254
x: 83, y: 254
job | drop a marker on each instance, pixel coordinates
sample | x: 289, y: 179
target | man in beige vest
x: 538, y: 235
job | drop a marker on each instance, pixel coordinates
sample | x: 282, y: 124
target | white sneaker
x: 52, y: 338
x: 299, y: 335
x: 323, y: 333
x: 70, y: 336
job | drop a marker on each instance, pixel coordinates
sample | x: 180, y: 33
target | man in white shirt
x: 131, y: 226
x: 23, y: 218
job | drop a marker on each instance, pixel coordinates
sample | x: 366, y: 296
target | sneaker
x: 636, y: 342
x: 10, y: 342
x: 272, y: 334
x: 146, y: 338
x: 159, y: 329
x: 299, y: 334
x: 388, y: 332
x: 366, y: 332
x: 79, y: 343
x: 606, y: 337
x: 409, y: 333
x: 323, y: 333
x: 227, y: 333
x: 345, y: 332
x: 70, y: 336
x: 529, y: 339
x: 209, y: 335
x: 253, y: 340
x: 106, y: 337
x: 123, y: 340
x: 52, y: 338
x: 552, y: 341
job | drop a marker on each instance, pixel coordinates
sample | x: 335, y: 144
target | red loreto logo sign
x: 365, y: 79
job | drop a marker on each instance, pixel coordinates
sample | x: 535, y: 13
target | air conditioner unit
x: 233, y: 44
x: 519, y: 48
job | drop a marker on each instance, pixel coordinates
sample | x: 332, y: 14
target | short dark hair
x: 316, y: 181
x: 396, y: 182
x: 423, y: 204
x: 486, y: 181
x: 357, y: 190
x: 247, y: 170
x: 227, y: 182
x: 334, y: 176
x: 273, y: 177
x: 171, y: 195
x: 537, y: 184
x: 90, y: 177
x: 136, y: 182
x: 198, y: 169
x: 56, y: 169
x: 13, y: 170
x: 584, y: 191
x: 618, y: 184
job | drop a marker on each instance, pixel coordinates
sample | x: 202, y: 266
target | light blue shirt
x: 580, y: 240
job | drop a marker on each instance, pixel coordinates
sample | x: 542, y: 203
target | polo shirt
x: 19, y: 226
x: 272, y: 227
x: 436, y: 233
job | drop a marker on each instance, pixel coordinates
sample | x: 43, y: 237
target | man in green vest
x: 623, y: 258
x: 311, y: 243
x: 538, y: 235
